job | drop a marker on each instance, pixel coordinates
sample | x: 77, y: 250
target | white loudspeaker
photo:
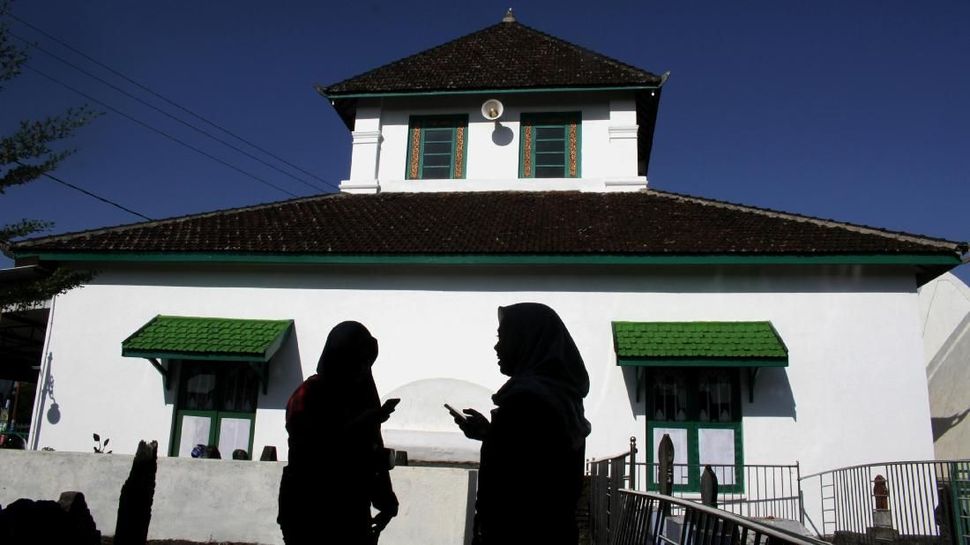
x: 492, y: 109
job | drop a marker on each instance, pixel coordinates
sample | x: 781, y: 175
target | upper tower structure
x: 504, y: 108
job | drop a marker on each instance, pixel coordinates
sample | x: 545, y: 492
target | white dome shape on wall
x: 945, y: 311
x: 422, y: 426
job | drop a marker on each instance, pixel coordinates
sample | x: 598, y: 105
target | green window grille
x: 436, y: 147
x: 700, y: 408
x: 550, y: 145
x: 215, y: 406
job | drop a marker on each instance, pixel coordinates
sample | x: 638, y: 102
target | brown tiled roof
x: 497, y: 223
x: 508, y: 55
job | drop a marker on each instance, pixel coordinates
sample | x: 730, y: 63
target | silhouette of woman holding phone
x: 337, y: 465
x: 533, y: 449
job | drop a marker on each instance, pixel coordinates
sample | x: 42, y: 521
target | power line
x: 100, y: 198
x: 90, y: 194
x: 169, y: 101
x: 163, y: 112
x: 159, y: 131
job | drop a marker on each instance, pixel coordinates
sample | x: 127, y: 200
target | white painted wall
x: 608, y: 137
x: 945, y: 311
x: 224, y: 500
x: 854, y: 392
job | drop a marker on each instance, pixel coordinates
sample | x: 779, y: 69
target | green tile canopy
x: 698, y: 344
x: 208, y: 339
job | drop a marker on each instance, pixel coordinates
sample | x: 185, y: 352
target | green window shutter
x: 700, y: 405
x: 550, y: 145
x: 437, y: 147
x: 215, y: 406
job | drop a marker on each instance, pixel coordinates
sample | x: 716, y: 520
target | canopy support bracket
x: 166, y: 375
x: 752, y: 377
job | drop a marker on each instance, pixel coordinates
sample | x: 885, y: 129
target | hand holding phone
x: 472, y: 423
x: 454, y: 413
x: 387, y: 408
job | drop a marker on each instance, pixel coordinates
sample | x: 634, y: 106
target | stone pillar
x: 621, y: 172
x: 366, y: 153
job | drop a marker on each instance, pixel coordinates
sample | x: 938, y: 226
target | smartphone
x: 391, y: 403
x: 455, y: 413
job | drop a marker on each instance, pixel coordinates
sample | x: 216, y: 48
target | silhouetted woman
x: 337, y: 468
x: 533, y: 449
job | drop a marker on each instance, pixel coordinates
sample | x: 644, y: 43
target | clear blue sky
x: 857, y: 111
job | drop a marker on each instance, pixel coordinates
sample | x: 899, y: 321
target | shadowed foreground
x: 110, y: 541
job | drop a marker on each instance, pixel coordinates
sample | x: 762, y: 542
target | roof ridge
x: 823, y: 222
x: 587, y: 50
x: 495, y: 27
x: 175, y: 219
x: 406, y: 57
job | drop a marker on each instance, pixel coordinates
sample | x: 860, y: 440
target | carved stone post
x: 632, y: 483
x: 880, y: 492
x: 882, y: 518
x: 269, y: 454
x: 709, y: 487
x: 665, y: 457
x: 137, y: 495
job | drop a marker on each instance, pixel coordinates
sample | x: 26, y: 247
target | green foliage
x: 11, y: 56
x: 26, y: 155
x: 22, y: 228
x: 22, y: 294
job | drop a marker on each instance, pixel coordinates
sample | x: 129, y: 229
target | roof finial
x: 509, y: 17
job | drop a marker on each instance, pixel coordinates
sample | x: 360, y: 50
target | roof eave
x: 926, y: 264
x: 345, y: 104
x: 337, y: 95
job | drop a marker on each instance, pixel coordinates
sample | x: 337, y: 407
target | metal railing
x: 926, y: 499
x: 959, y: 503
x: 647, y: 517
x: 606, y: 477
x: 759, y: 491
x: 914, y: 491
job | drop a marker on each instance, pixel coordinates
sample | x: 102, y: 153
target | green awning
x: 211, y: 339
x: 698, y: 344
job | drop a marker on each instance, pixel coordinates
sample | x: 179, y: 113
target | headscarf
x: 544, y: 363
x: 345, y: 368
x: 350, y: 348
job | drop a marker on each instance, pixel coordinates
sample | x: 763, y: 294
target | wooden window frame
x: 459, y: 143
x: 215, y: 415
x: 693, y: 425
x: 571, y: 125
